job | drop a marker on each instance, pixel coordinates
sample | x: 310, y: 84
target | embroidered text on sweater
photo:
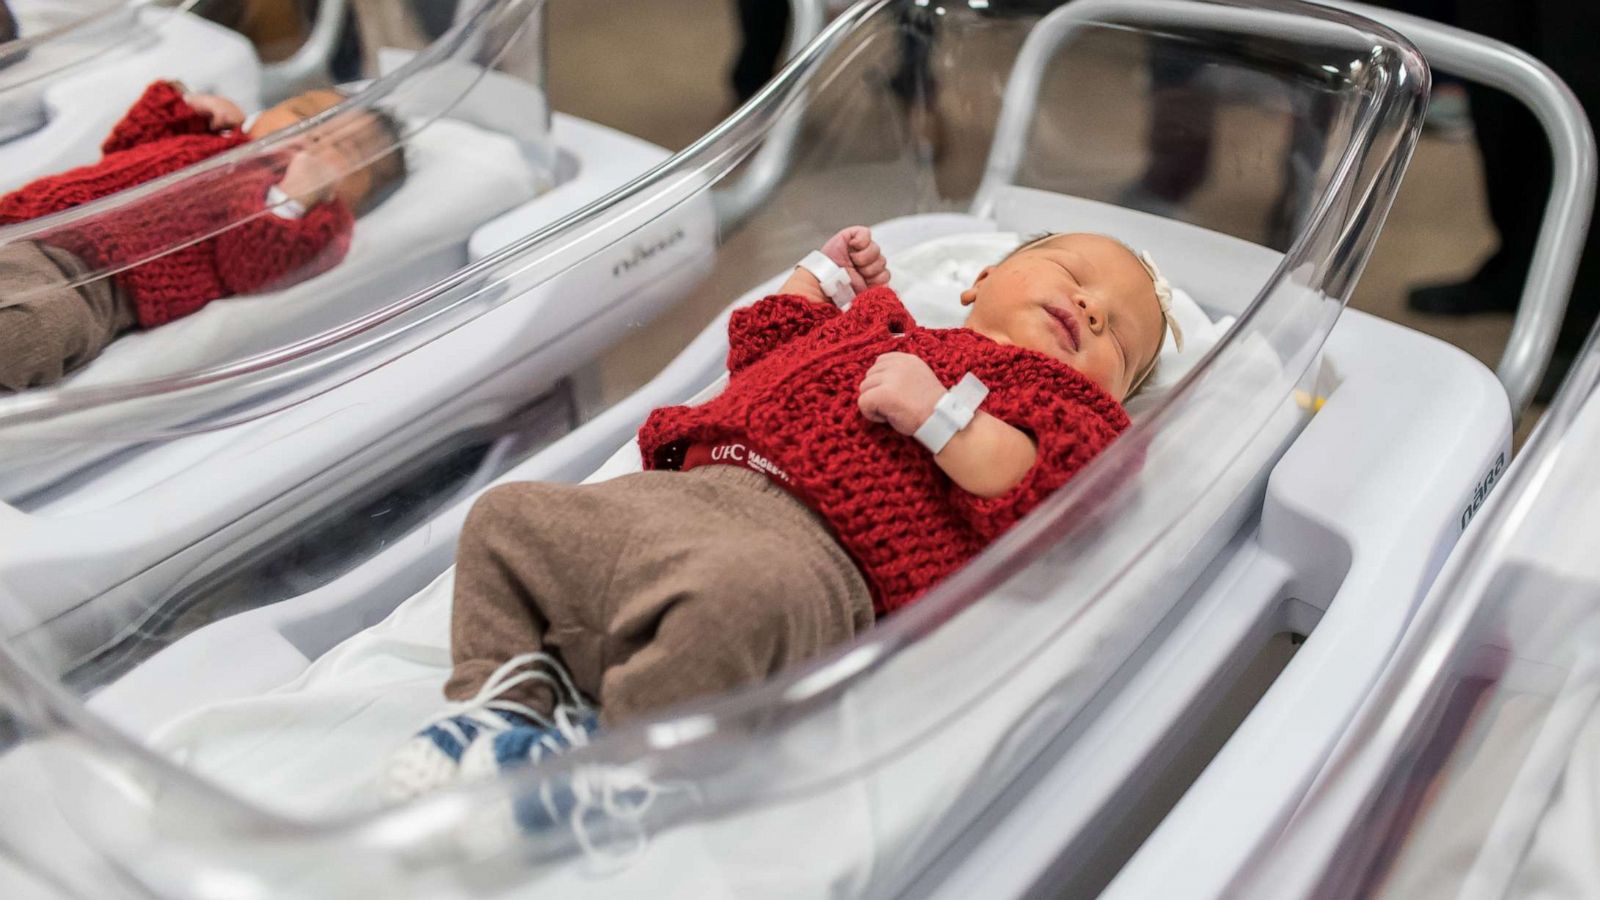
x: 795, y: 367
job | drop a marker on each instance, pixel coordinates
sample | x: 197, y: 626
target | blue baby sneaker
x: 432, y: 758
x: 530, y: 742
x: 466, y: 741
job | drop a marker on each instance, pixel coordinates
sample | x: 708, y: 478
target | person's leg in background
x: 1180, y: 131
x: 435, y: 17
x: 1516, y: 174
x: 762, y: 26
x: 277, y: 28
x: 8, y: 23
x: 1516, y: 163
x: 1567, y: 33
x: 1302, y: 170
x: 913, y: 82
x: 8, y: 32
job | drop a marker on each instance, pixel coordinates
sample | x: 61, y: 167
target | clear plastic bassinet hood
x: 846, y: 776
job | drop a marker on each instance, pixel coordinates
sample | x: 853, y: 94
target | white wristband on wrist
x: 835, y: 281
x: 953, y: 412
x: 282, y: 205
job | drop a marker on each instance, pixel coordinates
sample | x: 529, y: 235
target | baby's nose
x: 1096, y: 321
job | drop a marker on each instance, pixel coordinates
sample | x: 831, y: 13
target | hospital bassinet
x: 860, y: 773
x: 1471, y: 771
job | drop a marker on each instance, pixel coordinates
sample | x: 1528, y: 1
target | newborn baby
x: 259, y: 227
x: 836, y: 479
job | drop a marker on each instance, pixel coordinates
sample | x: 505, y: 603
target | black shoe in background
x: 1464, y: 298
x: 1497, y: 287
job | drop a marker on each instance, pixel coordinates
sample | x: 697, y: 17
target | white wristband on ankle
x: 953, y: 412
x: 835, y: 281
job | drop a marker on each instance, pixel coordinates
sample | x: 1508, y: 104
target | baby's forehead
x: 1109, y: 260
x: 1096, y: 248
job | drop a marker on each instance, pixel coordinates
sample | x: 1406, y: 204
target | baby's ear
x: 970, y: 295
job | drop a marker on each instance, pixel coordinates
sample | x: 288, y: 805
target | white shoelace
x: 609, y: 793
x: 600, y: 792
x: 489, y: 699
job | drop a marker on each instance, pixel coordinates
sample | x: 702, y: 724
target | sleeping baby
x: 853, y: 460
x: 260, y: 228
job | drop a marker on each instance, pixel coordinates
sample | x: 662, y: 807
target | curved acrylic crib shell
x: 810, y: 774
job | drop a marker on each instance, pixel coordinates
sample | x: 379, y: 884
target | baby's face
x: 1082, y: 299
x: 348, y: 144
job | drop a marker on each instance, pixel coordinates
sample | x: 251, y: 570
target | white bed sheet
x: 459, y: 176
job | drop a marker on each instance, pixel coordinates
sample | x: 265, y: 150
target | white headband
x: 1164, y: 295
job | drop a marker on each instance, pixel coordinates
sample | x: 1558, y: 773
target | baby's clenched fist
x: 900, y: 391
x: 854, y: 251
x: 220, y: 112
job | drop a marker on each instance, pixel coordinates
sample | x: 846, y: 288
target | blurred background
x: 669, y: 71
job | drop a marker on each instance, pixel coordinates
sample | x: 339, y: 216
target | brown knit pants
x: 48, y: 328
x: 652, y: 588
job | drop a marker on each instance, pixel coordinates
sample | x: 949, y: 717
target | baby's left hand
x: 854, y: 250
x: 220, y: 112
x: 900, y: 391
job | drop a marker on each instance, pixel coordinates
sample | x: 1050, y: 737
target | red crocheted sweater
x: 234, y: 245
x: 795, y: 369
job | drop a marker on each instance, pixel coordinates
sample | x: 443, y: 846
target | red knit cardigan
x: 237, y: 246
x: 795, y: 370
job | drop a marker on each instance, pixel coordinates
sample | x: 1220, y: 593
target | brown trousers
x: 48, y: 328
x: 653, y: 588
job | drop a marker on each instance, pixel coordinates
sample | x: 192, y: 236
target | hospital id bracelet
x: 953, y: 412
x: 282, y: 205
x: 835, y: 280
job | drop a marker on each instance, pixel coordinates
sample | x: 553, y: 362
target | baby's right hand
x: 221, y: 112
x: 854, y: 250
